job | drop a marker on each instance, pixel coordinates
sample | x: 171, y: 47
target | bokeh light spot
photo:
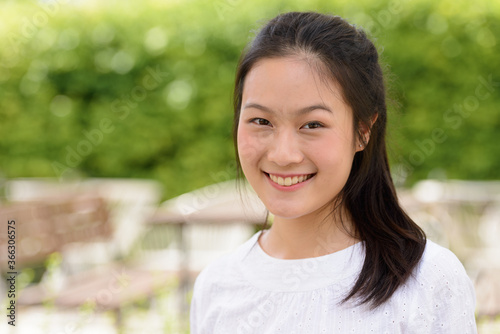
x: 486, y: 38
x: 437, y: 24
x: 61, y: 105
x: 122, y: 62
x: 451, y: 47
x: 102, y: 34
x: 68, y: 39
x: 178, y: 94
x: 156, y: 40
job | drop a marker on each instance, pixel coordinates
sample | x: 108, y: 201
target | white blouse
x: 248, y: 291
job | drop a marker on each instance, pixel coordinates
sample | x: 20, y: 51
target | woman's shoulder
x: 439, y: 263
x: 441, y: 276
x: 439, y: 297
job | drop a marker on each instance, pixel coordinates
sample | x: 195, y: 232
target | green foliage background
x: 67, y: 66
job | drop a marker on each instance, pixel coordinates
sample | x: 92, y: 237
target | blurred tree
x: 143, y: 89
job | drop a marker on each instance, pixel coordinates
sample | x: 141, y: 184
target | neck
x: 306, y: 237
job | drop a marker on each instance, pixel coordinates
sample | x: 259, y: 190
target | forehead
x: 290, y: 82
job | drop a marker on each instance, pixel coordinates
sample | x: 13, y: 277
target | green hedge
x: 143, y: 89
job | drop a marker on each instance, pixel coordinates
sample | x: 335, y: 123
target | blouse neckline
x: 286, y: 275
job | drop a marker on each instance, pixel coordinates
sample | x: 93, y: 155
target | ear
x: 365, y: 133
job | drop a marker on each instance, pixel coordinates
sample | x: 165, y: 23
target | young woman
x: 341, y: 255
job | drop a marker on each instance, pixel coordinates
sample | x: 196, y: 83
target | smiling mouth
x: 289, y: 181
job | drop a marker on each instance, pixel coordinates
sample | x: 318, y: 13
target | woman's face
x: 295, y: 137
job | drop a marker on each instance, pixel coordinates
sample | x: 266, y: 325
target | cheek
x: 334, y: 152
x: 248, y: 146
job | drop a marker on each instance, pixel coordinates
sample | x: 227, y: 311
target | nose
x: 285, y: 149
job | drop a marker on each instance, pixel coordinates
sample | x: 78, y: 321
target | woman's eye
x: 260, y: 121
x: 313, y: 125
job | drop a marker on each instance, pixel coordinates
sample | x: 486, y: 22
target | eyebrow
x: 298, y: 112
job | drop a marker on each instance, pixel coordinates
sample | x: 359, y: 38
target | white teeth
x: 288, y: 181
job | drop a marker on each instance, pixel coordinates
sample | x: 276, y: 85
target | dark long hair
x: 393, y: 243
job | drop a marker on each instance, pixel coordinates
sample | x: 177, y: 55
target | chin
x: 287, y: 213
